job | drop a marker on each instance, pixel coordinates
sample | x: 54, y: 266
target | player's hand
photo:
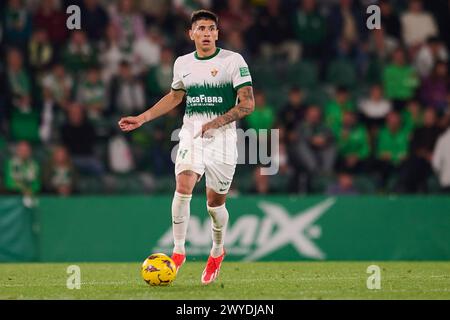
x: 130, y: 123
x: 206, y: 131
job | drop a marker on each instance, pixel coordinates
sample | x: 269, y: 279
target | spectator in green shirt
x: 400, y: 79
x: 92, y: 94
x: 79, y: 54
x: 22, y: 173
x: 353, y: 144
x: 412, y: 115
x: 24, y: 116
x: 392, y: 147
x: 335, y: 109
x: 310, y: 29
x: 263, y: 117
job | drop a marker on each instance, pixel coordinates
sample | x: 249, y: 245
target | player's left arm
x: 245, y: 106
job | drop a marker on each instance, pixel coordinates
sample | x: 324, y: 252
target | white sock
x: 219, y: 217
x: 180, y: 220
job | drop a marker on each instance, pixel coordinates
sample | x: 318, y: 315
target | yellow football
x: 158, y: 270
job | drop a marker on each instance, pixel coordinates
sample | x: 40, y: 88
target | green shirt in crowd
x: 400, y: 82
x: 25, y: 125
x: 262, y: 118
x: 334, y: 112
x: 76, y: 60
x: 393, y: 143
x: 310, y: 28
x: 158, y: 80
x: 354, y: 142
x: 409, y: 121
x: 22, y: 175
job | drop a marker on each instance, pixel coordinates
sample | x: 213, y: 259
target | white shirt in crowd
x: 375, y: 109
x: 441, y: 159
x: 417, y: 27
x: 424, y: 61
x: 146, y: 53
x: 110, y: 58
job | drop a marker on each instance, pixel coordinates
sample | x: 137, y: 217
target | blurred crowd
x: 359, y: 110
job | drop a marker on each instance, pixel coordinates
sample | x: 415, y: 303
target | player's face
x: 205, y: 34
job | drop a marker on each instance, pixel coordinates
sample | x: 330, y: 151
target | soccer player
x: 218, y: 89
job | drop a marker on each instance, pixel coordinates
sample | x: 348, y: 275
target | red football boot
x: 212, y: 269
x: 179, y: 259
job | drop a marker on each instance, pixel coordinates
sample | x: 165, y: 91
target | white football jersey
x: 211, y: 86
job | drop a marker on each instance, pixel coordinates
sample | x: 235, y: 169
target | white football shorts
x: 216, y: 158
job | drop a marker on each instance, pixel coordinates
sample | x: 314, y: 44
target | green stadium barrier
x: 17, y: 236
x: 128, y: 228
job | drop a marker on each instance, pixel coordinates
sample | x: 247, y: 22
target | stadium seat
x: 277, y: 97
x: 374, y: 71
x: 279, y: 183
x: 90, y: 185
x: 341, y: 73
x: 319, y: 183
x: 319, y: 96
x: 303, y: 74
x: 265, y: 77
x: 364, y: 184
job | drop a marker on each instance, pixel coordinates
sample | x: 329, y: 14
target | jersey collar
x: 208, y: 57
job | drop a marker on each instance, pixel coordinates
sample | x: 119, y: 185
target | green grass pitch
x: 238, y: 280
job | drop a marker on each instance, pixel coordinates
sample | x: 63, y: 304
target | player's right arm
x: 167, y: 103
x: 163, y: 106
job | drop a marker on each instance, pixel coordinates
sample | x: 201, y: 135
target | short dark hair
x: 204, y: 15
x: 295, y: 89
x: 433, y: 40
x: 124, y: 63
x: 341, y: 89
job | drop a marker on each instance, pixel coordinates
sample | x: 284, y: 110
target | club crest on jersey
x: 214, y: 72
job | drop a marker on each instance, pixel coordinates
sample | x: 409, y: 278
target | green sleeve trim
x: 248, y: 83
x: 178, y: 89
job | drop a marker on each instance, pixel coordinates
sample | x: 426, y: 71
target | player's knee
x: 213, y: 203
x: 186, y: 182
x: 184, y: 189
